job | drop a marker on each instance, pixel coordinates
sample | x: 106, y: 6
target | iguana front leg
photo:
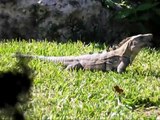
x: 125, y: 61
x: 73, y: 66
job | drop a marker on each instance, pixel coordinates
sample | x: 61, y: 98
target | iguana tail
x: 61, y: 59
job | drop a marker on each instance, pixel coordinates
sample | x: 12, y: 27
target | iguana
x: 115, y: 60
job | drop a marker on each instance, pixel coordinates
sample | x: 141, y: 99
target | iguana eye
x: 134, y: 42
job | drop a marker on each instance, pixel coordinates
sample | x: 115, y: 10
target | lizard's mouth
x: 149, y: 44
x: 150, y: 36
x: 149, y: 40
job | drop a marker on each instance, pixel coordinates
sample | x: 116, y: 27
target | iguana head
x: 140, y: 36
x: 137, y: 42
x: 132, y: 45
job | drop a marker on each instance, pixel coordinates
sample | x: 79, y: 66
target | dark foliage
x: 15, y: 88
x: 143, y: 15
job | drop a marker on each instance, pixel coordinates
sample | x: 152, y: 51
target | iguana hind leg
x: 75, y: 66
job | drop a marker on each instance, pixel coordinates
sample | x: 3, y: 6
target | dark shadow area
x: 149, y: 73
x: 143, y: 17
x: 15, y: 88
x: 146, y: 103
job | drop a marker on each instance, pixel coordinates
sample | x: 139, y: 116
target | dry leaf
x: 118, y: 89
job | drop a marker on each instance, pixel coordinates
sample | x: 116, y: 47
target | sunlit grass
x: 61, y: 94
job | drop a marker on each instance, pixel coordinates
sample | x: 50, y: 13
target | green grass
x: 61, y: 94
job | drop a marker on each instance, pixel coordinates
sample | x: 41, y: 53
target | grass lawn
x: 61, y: 94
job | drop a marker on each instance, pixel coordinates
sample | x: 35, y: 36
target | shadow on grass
x: 149, y: 73
x: 144, y: 103
x: 15, y: 88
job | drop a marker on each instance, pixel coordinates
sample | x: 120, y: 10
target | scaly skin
x: 115, y: 60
